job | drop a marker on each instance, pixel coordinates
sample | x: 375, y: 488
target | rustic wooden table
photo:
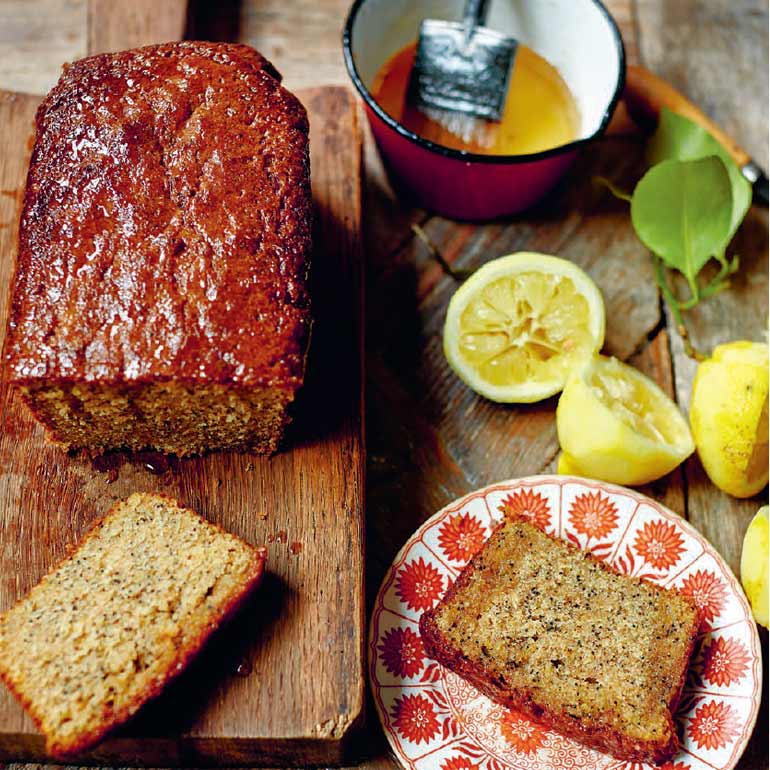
x: 430, y: 439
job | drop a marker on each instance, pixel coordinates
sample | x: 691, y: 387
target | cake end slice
x: 107, y: 628
x: 548, y: 630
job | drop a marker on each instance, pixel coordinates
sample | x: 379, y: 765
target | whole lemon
x: 728, y: 417
x: 754, y: 565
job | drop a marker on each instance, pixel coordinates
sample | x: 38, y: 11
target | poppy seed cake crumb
x: 107, y: 628
x: 545, y: 628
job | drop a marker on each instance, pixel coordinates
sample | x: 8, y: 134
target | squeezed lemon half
x: 617, y: 425
x: 517, y: 327
x: 754, y: 565
x: 728, y: 416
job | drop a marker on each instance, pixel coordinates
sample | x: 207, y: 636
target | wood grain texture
x: 36, y: 38
x: 429, y: 439
x: 113, y: 26
x: 714, y: 51
x: 284, y: 682
x: 305, y: 43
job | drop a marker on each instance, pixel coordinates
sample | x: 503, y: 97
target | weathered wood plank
x: 716, y: 53
x: 36, y: 38
x: 624, y: 13
x: 300, y: 641
x: 114, y: 26
x: 18, y: 113
x: 304, y: 42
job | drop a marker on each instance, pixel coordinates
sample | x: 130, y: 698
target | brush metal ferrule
x: 457, y: 76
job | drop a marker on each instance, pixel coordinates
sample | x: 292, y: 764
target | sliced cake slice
x: 545, y: 628
x: 106, y: 629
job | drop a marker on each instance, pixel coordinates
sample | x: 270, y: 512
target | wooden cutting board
x: 283, y: 684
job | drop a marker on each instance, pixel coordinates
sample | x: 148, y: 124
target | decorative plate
x: 436, y: 721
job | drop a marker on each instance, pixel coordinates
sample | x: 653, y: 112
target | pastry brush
x: 461, y: 73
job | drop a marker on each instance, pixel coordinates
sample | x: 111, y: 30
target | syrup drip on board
x: 243, y: 668
x: 108, y: 464
x: 154, y: 462
x: 540, y: 112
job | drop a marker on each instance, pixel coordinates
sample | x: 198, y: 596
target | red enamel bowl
x: 579, y: 37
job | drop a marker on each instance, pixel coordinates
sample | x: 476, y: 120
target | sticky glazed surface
x: 165, y: 232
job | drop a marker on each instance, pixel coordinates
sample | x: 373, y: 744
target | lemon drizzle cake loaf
x: 106, y: 629
x: 544, y: 628
x: 160, y: 296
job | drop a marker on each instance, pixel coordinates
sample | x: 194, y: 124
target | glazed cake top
x: 165, y: 232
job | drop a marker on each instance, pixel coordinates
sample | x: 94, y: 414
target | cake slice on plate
x: 545, y: 628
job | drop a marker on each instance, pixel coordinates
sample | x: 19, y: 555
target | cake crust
x: 489, y: 677
x: 164, y: 239
x: 165, y: 230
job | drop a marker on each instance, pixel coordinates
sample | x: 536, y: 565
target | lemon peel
x: 754, y: 565
x: 567, y: 466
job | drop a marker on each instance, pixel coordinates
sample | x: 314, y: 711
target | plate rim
x: 551, y: 478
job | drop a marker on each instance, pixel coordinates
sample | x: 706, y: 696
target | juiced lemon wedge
x: 617, y: 425
x: 728, y: 415
x: 754, y: 565
x: 520, y: 324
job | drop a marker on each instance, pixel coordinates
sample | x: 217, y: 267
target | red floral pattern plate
x: 436, y: 721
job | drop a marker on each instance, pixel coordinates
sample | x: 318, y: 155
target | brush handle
x: 646, y: 94
x: 474, y: 14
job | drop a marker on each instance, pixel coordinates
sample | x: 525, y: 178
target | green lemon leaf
x: 679, y: 138
x: 681, y: 210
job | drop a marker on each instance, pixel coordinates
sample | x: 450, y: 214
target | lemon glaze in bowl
x: 578, y: 37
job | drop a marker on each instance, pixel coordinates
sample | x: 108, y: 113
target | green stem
x: 692, y: 282
x: 676, y: 308
x: 726, y: 268
x: 720, y: 257
x: 689, y: 304
x: 616, y: 191
x: 718, y: 283
x: 668, y: 295
x: 714, y: 288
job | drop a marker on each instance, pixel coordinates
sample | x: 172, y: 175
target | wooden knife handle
x: 644, y: 97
